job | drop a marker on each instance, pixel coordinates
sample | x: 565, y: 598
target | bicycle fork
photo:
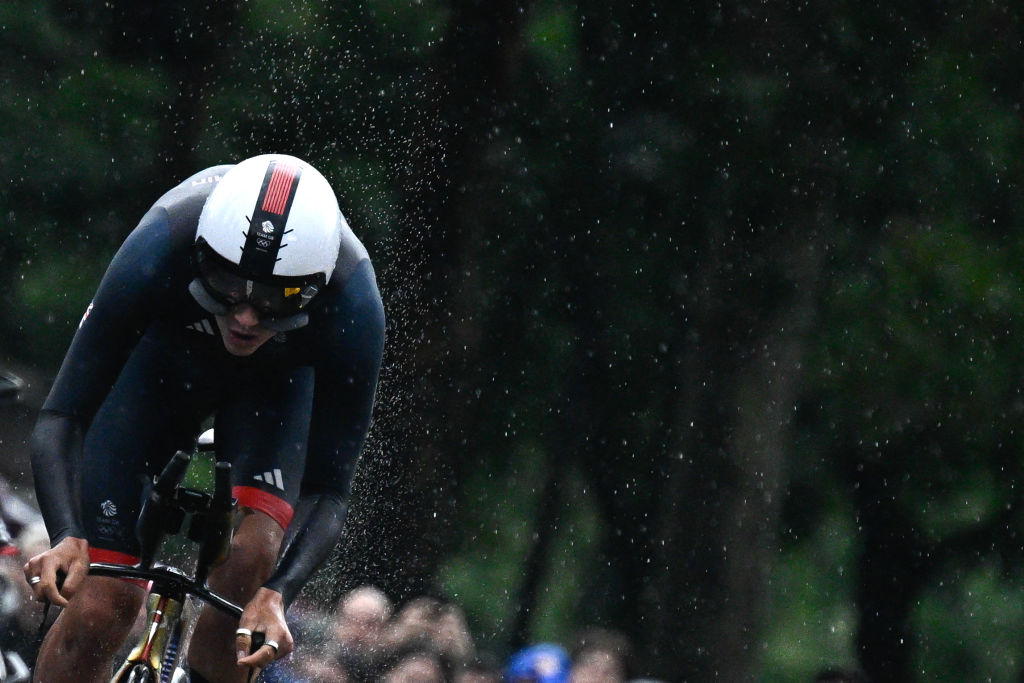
x: 172, y: 608
x: 155, y: 655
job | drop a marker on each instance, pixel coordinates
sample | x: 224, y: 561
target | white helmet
x: 269, y: 235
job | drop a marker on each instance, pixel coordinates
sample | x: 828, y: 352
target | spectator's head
x: 600, y: 656
x: 433, y: 623
x: 541, y: 663
x: 361, y: 617
x: 416, y: 619
x: 451, y: 633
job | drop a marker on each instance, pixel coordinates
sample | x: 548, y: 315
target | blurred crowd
x: 428, y: 640
x: 364, y: 638
x: 22, y: 534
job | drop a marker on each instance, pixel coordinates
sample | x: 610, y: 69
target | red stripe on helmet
x: 282, y: 184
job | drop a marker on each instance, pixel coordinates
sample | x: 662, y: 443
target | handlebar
x: 169, y: 577
x: 162, y: 513
x: 165, y: 509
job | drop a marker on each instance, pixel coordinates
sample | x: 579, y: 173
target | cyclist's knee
x: 105, y: 606
x: 255, y: 545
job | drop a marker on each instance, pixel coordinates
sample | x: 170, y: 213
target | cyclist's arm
x: 345, y: 385
x: 316, y: 528
x: 124, y: 304
x: 56, y: 443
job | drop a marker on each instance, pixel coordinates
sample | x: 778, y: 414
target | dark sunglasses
x: 283, y: 300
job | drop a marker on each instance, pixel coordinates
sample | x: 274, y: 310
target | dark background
x: 703, y: 316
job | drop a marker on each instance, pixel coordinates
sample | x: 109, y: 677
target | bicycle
x: 161, y: 653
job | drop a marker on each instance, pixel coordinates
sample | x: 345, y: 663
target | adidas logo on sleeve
x: 272, y: 478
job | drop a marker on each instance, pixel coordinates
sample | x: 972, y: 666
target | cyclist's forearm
x: 317, y: 526
x: 55, y: 446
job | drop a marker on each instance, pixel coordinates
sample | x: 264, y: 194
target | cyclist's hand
x: 264, y: 614
x: 70, y: 559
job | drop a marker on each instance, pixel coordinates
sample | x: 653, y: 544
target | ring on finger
x: 34, y: 580
x: 273, y: 644
x: 243, y: 632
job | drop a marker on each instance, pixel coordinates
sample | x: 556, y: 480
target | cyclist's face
x: 241, y: 330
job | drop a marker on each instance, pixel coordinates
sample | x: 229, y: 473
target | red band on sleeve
x: 115, y: 557
x: 111, y: 556
x: 258, y: 499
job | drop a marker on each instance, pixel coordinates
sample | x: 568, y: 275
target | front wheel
x: 140, y: 673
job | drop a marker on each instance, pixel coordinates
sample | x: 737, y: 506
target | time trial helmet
x: 268, y: 235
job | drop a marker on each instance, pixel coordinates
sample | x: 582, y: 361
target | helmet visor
x: 281, y: 297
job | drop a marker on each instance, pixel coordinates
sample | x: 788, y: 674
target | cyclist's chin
x: 239, y: 342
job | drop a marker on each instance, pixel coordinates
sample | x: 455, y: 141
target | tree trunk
x: 888, y: 580
x: 708, y: 599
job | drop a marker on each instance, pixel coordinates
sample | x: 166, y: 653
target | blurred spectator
x: 310, y: 623
x: 414, y: 621
x: 347, y: 645
x: 20, y: 517
x: 315, y: 657
x: 541, y: 663
x: 417, y: 663
x: 600, y: 656
x: 433, y: 623
x: 360, y: 632
x: 305, y: 665
x: 19, y: 613
x: 16, y: 646
x: 452, y: 634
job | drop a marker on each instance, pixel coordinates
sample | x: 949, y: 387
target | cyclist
x: 242, y: 294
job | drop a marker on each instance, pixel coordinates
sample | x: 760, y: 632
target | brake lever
x: 256, y: 642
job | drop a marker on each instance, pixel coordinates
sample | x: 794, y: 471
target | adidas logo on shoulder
x: 201, y: 326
